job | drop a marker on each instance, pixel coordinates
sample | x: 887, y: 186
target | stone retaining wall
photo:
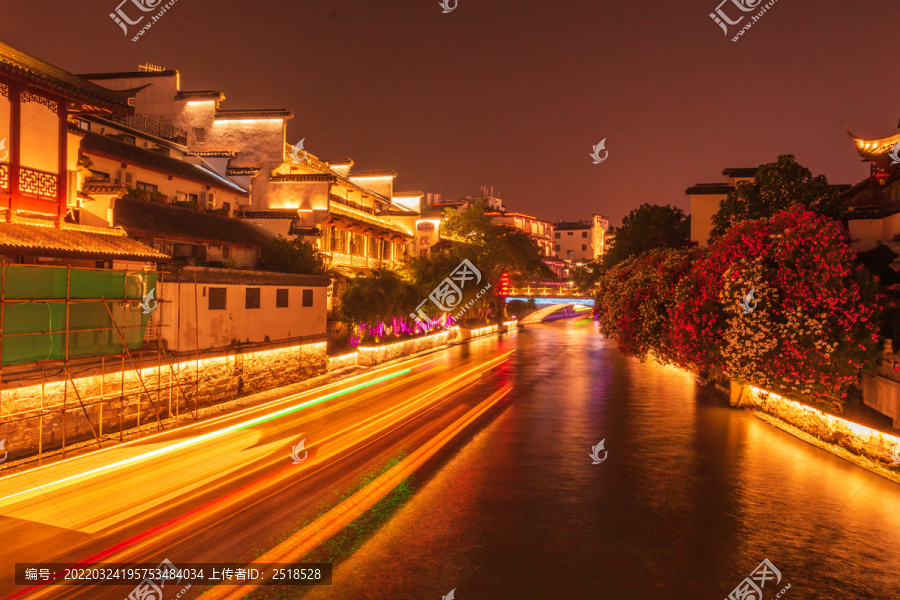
x: 853, y: 437
x: 42, y: 417
x: 374, y: 355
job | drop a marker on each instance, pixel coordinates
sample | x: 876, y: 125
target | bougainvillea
x: 632, y: 305
x: 808, y: 330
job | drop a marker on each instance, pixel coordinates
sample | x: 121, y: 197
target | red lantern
x: 503, y: 286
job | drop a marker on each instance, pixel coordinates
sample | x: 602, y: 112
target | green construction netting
x: 43, y: 317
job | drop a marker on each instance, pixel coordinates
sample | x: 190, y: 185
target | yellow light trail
x: 207, y: 436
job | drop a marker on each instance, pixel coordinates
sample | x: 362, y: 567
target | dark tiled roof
x: 214, y: 153
x: 82, y: 242
x: 46, y: 76
x: 142, y: 218
x: 280, y: 113
x: 740, y: 172
x: 398, y: 213
x: 340, y: 162
x: 242, y: 171
x: 102, y: 145
x: 708, y: 189
x: 567, y: 225
x: 104, y: 188
x: 407, y: 194
x: 241, y: 277
x: 284, y: 213
x: 200, y: 95
x: 304, y: 177
x: 382, y: 173
x: 130, y: 74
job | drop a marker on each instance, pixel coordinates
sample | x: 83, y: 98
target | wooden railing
x: 38, y: 184
x: 352, y: 204
x: 152, y: 126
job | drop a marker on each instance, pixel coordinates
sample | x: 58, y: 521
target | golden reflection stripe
x: 331, y: 523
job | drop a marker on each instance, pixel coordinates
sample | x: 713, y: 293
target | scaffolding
x: 66, y: 318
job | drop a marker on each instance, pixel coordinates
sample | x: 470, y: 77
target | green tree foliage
x: 777, y: 187
x: 378, y: 297
x: 291, y: 256
x: 647, y: 227
x: 493, y: 249
x: 587, y: 276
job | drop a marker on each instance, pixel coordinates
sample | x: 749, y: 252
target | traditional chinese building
x: 872, y: 206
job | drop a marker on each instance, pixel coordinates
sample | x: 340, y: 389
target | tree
x: 492, y: 248
x: 777, y: 187
x: 813, y: 326
x: 647, y: 227
x: 379, y: 297
x: 634, y: 298
x: 587, y: 276
x: 291, y: 256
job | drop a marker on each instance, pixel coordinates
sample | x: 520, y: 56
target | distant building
x: 577, y: 242
x: 706, y: 198
x: 872, y: 206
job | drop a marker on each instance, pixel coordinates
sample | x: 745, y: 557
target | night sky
x: 515, y: 94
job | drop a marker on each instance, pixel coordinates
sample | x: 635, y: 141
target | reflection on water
x: 692, y: 497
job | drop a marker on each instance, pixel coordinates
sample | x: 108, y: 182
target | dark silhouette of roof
x: 101, y: 145
x: 146, y: 219
x: 73, y: 242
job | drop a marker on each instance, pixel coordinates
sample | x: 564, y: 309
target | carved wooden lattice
x: 38, y: 183
x: 4, y: 178
x: 4, y: 90
x: 29, y: 97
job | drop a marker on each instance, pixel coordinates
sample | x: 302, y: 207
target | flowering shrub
x: 812, y: 329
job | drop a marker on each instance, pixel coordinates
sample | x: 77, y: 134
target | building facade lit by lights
x: 706, y: 197
x: 577, y: 242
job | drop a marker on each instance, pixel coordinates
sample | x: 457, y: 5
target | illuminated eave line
x: 211, y: 435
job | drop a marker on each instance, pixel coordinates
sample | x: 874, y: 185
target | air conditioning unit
x: 125, y: 177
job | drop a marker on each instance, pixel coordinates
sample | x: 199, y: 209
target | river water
x: 691, y: 497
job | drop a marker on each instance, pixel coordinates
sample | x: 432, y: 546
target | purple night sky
x: 515, y: 94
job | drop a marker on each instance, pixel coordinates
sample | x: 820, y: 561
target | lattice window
x: 307, y: 297
x: 30, y: 97
x: 4, y: 178
x: 252, y: 298
x: 217, y: 297
x: 38, y: 183
x: 4, y: 90
x: 281, y: 298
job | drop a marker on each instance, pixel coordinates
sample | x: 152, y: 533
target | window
x: 556, y: 247
x: 193, y: 198
x: 147, y: 187
x: 307, y: 297
x: 570, y: 233
x: 584, y: 247
x: 252, y: 298
x: 584, y: 234
x: 199, y: 135
x: 217, y: 298
x: 570, y: 252
x: 83, y: 125
x: 281, y: 298
x: 558, y: 234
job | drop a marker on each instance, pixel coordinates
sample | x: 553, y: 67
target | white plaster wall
x: 218, y: 328
x: 703, y: 207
